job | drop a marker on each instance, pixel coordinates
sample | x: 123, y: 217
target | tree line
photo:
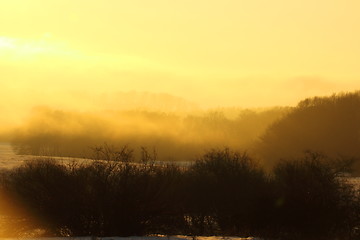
x: 223, y: 193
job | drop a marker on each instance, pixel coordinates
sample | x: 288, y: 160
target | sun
x: 18, y: 48
x: 15, y: 49
x: 6, y: 42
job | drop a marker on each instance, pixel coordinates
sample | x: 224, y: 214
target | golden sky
x: 247, y: 53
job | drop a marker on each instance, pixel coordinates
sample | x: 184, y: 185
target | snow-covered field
x: 140, y: 238
x: 8, y: 158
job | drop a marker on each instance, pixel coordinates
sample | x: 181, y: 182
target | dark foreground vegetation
x: 222, y: 193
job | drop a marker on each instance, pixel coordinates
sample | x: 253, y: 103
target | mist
x: 179, y: 134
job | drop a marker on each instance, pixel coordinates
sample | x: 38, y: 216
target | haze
x: 67, y: 54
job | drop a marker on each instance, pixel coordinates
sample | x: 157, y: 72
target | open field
x: 139, y: 238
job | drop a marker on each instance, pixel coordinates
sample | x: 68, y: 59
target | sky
x: 244, y: 53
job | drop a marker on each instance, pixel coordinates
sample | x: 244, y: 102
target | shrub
x: 313, y: 201
x: 228, y: 194
x: 98, y: 198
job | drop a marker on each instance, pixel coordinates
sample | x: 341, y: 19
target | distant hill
x: 328, y: 125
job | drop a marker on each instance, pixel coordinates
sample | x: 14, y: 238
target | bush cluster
x: 222, y: 193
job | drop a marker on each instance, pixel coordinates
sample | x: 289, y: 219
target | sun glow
x: 22, y: 46
x: 17, y: 49
x: 6, y: 42
x: 229, y: 53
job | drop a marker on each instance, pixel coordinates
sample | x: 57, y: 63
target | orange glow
x: 214, y: 53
